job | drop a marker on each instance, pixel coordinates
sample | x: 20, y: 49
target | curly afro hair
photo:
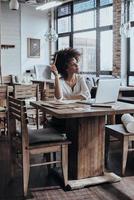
x: 63, y: 58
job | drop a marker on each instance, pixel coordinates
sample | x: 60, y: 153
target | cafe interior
x: 66, y: 149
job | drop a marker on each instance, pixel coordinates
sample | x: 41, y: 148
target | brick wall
x: 116, y: 38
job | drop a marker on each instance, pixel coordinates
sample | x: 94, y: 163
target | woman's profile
x: 68, y: 83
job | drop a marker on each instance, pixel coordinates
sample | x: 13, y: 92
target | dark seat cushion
x: 45, y: 135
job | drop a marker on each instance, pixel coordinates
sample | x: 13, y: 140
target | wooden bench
x: 118, y: 131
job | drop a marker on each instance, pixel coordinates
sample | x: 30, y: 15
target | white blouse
x: 80, y: 88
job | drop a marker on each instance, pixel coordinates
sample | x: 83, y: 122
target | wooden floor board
x: 12, y: 190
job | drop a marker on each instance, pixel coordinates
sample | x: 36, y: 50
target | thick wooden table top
x: 126, y: 88
x: 126, y: 99
x: 83, y: 110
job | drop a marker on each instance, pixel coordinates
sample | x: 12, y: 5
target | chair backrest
x: 7, y: 79
x: 17, y: 113
x: 3, y: 95
x: 46, y: 89
x: 26, y: 91
x: 49, y: 91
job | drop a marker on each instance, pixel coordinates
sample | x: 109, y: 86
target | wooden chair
x: 34, y: 142
x: 49, y: 91
x: 7, y: 80
x: 3, y: 110
x: 29, y: 93
x: 46, y: 89
x: 46, y: 93
x: 119, y: 132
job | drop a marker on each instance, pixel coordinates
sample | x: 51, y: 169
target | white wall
x: 10, y: 34
x: 34, y: 24
x: 16, y: 27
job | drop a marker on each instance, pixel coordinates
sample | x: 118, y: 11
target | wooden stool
x: 118, y: 131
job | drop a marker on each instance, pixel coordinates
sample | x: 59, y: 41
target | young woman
x: 68, y: 83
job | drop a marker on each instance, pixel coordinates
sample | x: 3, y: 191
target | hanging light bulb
x: 14, y: 5
x: 127, y: 25
x: 51, y: 35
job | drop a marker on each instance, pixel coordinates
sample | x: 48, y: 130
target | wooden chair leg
x: 132, y: 143
x: 26, y: 171
x: 124, y: 154
x: 37, y: 118
x: 54, y: 158
x: 64, y: 157
x: 12, y: 163
x: 107, y: 144
x: 48, y: 159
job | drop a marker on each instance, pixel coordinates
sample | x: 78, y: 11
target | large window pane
x: 131, y: 11
x: 64, y: 10
x: 63, y: 42
x: 80, y: 6
x: 81, y: 21
x: 131, y: 81
x: 106, y: 16
x: 132, y: 40
x: 132, y: 54
x: 64, y: 25
x: 106, y: 50
x: 105, y: 2
x: 86, y: 43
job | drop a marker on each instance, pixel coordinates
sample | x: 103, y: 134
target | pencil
x: 55, y: 59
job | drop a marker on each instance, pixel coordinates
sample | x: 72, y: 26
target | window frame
x: 129, y: 72
x: 97, y: 28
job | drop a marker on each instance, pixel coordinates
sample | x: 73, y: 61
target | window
x: 106, y: 16
x: 87, y: 26
x: 130, y: 45
x: 86, y: 43
x: 63, y: 42
x: 64, y: 10
x: 80, y: 6
x: 81, y: 21
x: 105, y: 2
x: 106, y: 50
x: 64, y: 25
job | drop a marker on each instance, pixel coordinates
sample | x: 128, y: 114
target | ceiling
x: 35, y: 2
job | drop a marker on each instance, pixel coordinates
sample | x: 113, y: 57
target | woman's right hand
x: 54, y: 69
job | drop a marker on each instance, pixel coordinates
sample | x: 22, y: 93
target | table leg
x: 86, y: 153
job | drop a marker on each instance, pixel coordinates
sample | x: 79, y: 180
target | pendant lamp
x: 13, y: 5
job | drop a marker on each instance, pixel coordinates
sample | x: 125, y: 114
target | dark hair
x: 63, y: 58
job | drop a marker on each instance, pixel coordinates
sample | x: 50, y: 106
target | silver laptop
x: 107, y: 92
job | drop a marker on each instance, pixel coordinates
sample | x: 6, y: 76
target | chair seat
x: 45, y: 135
x: 118, y: 128
x: 118, y: 131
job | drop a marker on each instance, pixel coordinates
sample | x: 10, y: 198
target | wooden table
x: 127, y: 99
x: 85, y: 127
x: 127, y: 91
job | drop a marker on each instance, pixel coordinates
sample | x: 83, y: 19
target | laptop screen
x: 107, y: 90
